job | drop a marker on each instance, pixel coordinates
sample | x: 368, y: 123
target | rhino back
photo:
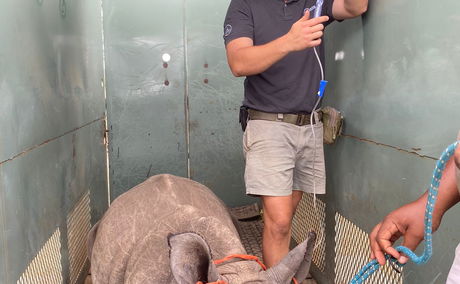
x: 131, y: 243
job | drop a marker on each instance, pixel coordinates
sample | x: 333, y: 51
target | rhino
x: 170, y: 229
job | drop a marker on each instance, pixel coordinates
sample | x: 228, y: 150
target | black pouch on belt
x: 244, y: 117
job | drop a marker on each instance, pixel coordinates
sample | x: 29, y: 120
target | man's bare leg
x: 278, y: 213
x: 296, y: 197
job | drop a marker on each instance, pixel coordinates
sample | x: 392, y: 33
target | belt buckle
x: 299, y: 120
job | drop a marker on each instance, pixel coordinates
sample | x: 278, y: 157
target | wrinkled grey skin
x: 168, y: 229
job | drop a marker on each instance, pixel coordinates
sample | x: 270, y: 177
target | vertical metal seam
x: 186, y: 87
x: 106, y: 123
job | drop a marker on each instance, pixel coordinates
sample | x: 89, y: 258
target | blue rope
x: 373, y: 266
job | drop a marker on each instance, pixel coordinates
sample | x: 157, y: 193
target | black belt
x: 296, y: 119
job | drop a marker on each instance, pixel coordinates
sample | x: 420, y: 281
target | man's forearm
x: 356, y: 7
x: 245, y: 59
x: 252, y: 60
x: 448, y: 194
x: 346, y: 9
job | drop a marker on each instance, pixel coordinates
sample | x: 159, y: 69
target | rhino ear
x: 295, y: 264
x: 190, y: 259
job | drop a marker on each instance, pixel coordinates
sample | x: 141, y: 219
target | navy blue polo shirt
x: 291, y: 84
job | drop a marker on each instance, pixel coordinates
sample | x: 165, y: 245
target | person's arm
x: 457, y: 158
x: 346, y: 9
x: 408, y: 221
x: 245, y: 59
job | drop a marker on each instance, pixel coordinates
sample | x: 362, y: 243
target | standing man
x: 272, y: 42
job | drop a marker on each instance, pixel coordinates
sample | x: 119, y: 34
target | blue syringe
x: 318, y: 8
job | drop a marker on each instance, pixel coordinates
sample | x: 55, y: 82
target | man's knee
x: 280, y: 227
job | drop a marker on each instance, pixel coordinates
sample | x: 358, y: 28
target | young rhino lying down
x: 169, y: 230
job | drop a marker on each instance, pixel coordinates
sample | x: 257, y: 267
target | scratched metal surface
x: 215, y: 96
x: 3, y: 246
x: 145, y: 100
x: 50, y: 70
x: 398, y: 81
x: 41, y: 187
x: 395, y: 77
x: 51, y: 107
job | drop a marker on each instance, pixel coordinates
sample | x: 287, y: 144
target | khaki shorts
x: 279, y: 158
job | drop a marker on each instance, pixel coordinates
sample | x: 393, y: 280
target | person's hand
x: 407, y: 221
x: 305, y: 32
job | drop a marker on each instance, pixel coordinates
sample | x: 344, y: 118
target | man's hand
x: 406, y: 221
x: 305, y: 33
x: 245, y: 59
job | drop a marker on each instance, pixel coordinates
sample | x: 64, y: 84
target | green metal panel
x: 51, y: 119
x: 50, y: 70
x: 145, y: 97
x: 41, y: 188
x: 153, y: 125
x: 3, y: 246
x: 394, y: 75
x: 398, y: 81
x: 215, y: 96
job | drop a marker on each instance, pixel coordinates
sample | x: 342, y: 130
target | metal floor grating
x: 250, y: 226
x: 252, y: 236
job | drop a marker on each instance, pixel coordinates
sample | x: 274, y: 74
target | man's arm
x: 346, y: 9
x: 408, y: 221
x: 245, y: 59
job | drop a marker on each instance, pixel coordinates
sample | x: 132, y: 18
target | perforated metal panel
x: 352, y: 251
x: 311, y: 217
x: 78, y: 226
x: 46, y: 266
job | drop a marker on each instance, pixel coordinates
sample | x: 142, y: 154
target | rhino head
x: 191, y: 262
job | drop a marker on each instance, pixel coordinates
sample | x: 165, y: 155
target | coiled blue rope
x: 372, y: 266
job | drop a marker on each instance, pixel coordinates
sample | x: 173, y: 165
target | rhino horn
x: 295, y: 264
x: 190, y: 259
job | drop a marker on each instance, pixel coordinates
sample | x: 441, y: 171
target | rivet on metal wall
x: 63, y: 8
x: 206, y: 80
x: 166, y: 58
